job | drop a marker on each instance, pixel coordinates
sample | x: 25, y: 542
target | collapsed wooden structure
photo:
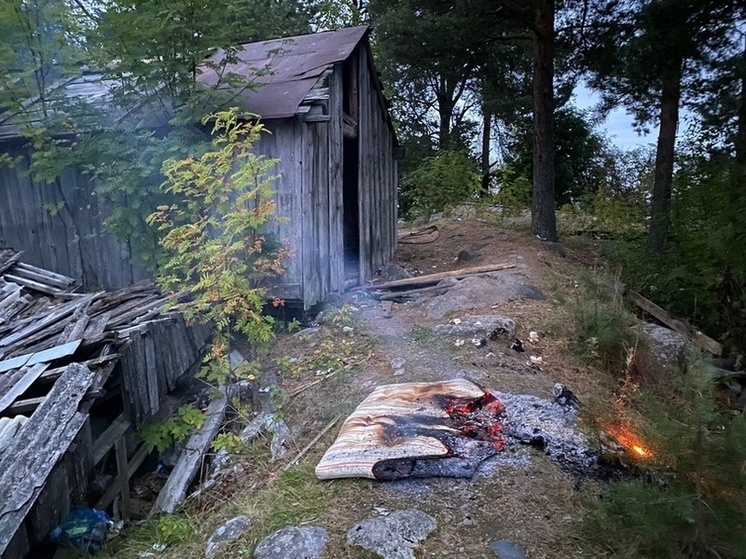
x: 79, y: 373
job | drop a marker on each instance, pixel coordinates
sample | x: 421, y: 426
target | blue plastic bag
x: 85, y: 529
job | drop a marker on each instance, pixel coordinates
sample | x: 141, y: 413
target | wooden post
x: 120, y: 450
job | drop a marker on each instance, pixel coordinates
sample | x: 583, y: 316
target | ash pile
x: 448, y: 429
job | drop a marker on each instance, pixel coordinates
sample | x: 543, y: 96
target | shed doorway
x: 351, y: 209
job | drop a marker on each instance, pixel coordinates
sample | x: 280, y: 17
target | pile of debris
x: 79, y: 373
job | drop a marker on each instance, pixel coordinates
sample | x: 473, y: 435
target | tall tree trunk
x: 664, y: 157
x: 543, y: 217
x: 445, y: 112
x: 486, y: 136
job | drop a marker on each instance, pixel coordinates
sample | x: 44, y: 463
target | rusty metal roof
x: 286, y: 69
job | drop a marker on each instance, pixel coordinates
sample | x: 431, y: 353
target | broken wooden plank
x: 10, y: 262
x: 25, y: 406
x: 43, y: 276
x: 34, y: 451
x: 21, y: 385
x: 120, y: 453
x: 310, y: 445
x: 186, y: 468
x: 695, y: 336
x: 106, y: 441
x: 31, y: 284
x: 116, y: 487
x: 435, y: 278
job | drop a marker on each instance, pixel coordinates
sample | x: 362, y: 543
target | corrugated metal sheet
x: 288, y: 68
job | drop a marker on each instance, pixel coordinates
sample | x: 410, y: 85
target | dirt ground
x: 523, y: 496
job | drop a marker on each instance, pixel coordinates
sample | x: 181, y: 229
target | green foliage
x: 294, y: 326
x: 216, y: 237
x: 230, y: 442
x: 159, y: 435
x: 172, y: 530
x: 514, y: 191
x: 602, y: 322
x: 703, y: 273
x: 699, y: 508
x: 440, y: 182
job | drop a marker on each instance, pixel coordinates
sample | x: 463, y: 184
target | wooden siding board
x: 364, y: 169
x: 59, y: 225
x: 336, y: 216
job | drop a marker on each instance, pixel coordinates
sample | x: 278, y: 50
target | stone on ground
x: 666, y: 347
x: 293, y: 542
x: 506, y: 549
x: 477, y: 325
x: 393, y: 536
x: 393, y: 272
x: 227, y: 533
x: 483, y: 291
x: 466, y: 255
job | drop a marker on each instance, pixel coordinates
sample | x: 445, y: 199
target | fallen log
x: 695, y: 336
x: 435, y: 278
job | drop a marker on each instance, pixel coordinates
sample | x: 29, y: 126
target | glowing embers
x: 479, y: 419
x: 626, y: 437
x: 417, y: 430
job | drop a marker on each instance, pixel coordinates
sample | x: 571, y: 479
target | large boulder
x: 483, y: 291
x: 662, y: 345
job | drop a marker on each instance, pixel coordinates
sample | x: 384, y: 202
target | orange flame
x: 629, y: 440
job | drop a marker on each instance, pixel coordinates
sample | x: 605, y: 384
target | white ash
x: 545, y: 423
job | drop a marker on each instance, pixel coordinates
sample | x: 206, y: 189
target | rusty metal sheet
x: 286, y: 69
x: 416, y: 429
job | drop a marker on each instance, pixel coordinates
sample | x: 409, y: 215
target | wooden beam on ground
x: 189, y: 463
x: 435, y: 278
x: 397, y: 294
x: 695, y: 336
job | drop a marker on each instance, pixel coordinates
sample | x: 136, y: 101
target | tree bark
x: 486, y: 135
x: 664, y: 158
x: 543, y: 217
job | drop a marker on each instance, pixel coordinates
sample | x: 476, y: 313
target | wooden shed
x: 322, y: 100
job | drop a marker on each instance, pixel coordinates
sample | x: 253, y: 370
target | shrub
x: 439, y: 183
x: 698, y: 506
x: 601, y: 320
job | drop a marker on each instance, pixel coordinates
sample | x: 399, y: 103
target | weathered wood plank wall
x: 59, y: 226
x: 377, y: 174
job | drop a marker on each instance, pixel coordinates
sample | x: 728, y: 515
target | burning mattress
x: 417, y: 430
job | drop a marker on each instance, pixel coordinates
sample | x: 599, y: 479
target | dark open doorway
x: 351, y: 209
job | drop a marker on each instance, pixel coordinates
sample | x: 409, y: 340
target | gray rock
x: 483, y: 291
x: 506, y: 549
x: 393, y: 272
x: 666, y: 347
x: 420, y: 221
x: 398, y: 363
x: 477, y: 326
x: 436, y: 216
x: 230, y: 531
x: 293, y: 542
x: 393, y: 536
x: 466, y: 255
